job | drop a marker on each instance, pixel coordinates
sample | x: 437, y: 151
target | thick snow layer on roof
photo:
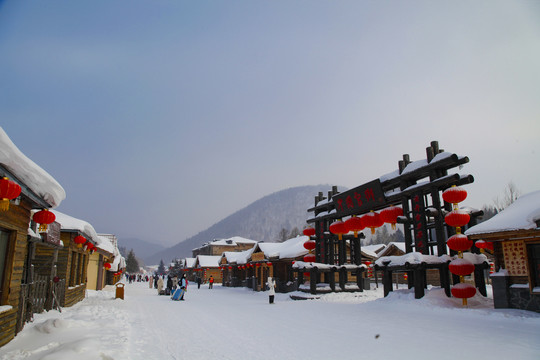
x: 233, y: 241
x: 521, y: 215
x: 376, y: 248
x: 208, y: 260
x: 33, y: 176
x: 189, y: 262
x: 238, y: 257
x: 105, y: 244
x: 70, y: 223
x: 293, y: 248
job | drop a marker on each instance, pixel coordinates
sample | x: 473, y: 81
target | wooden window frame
x: 8, y: 266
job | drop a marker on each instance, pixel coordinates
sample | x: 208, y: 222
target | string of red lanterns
x: 458, y: 218
x: 79, y: 240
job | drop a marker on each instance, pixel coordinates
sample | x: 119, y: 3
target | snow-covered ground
x: 237, y: 323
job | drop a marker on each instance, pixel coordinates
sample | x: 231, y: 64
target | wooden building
x: 515, y: 236
x: 97, y: 273
x: 219, y: 246
x: 206, y: 266
x: 24, y: 253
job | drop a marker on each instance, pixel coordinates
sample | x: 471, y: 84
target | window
x: 534, y: 253
x: 4, y: 250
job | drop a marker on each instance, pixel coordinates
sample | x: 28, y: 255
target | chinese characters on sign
x: 515, y: 258
x: 419, y: 222
x: 360, y: 199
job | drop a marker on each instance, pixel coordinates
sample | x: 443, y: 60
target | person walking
x: 183, y: 285
x: 211, y: 282
x: 198, y: 282
x: 271, y: 289
x: 160, y: 285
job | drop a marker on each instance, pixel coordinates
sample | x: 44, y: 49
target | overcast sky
x: 160, y: 118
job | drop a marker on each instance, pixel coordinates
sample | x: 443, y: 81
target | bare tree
x: 510, y: 194
x: 283, y: 235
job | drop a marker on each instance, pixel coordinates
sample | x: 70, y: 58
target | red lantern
x: 355, y: 224
x: 230, y: 267
x: 44, y: 218
x: 463, y: 291
x: 309, y: 258
x: 457, y: 218
x: 107, y: 266
x: 9, y: 190
x: 482, y: 245
x: 79, y: 240
x: 459, y: 242
x: 306, y: 274
x: 339, y: 228
x: 309, y: 231
x: 454, y: 195
x: 372, y: 220
x: 461, y: 267
x: 310, y: 245
x: 269, y: 264
x: 390, y: 215
x: 258, y: 264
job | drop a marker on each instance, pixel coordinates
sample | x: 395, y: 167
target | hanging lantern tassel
x: 9, y: 190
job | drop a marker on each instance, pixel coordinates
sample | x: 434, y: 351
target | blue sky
x: 160, y: 118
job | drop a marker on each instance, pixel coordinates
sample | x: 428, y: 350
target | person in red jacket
x: 211, y: 282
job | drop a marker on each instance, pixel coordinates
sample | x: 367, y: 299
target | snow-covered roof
x: 233, y: 241
x: 376, y: 248
x: 289, y: 249
x: 33, y: 176
x: 238, y: 257
x: 208, y: 260
x: 189, y: 262
x: 70, y: 223
x: 523, y: 214
x: 105, y: 244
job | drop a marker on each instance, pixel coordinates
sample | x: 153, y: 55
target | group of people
x: 210, y: 282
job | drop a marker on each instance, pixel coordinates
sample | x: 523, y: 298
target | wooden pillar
x: 332, y: 279
x: 479, y: 280
x: 444, y: 276
x: 342, y: 278
x: 419, y: 276
x: 387, y: 281
x: 360, y: 278
x: 313, y: 280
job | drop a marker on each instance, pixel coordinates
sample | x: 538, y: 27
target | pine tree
x: 161, y: 268
x: 132, y: 265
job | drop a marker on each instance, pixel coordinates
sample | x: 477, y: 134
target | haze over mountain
x: 261, y: 221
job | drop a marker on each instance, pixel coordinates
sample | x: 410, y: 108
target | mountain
x: 140, y: 247
x: 261, y: 221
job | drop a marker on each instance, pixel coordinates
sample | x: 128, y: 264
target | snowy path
x: 226, y: 323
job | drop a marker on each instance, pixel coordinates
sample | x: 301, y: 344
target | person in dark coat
x: 169, y: 285
x: 198, y: 282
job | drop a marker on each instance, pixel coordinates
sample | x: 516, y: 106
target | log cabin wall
x: 15, y: 222
x: 72, y: 265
